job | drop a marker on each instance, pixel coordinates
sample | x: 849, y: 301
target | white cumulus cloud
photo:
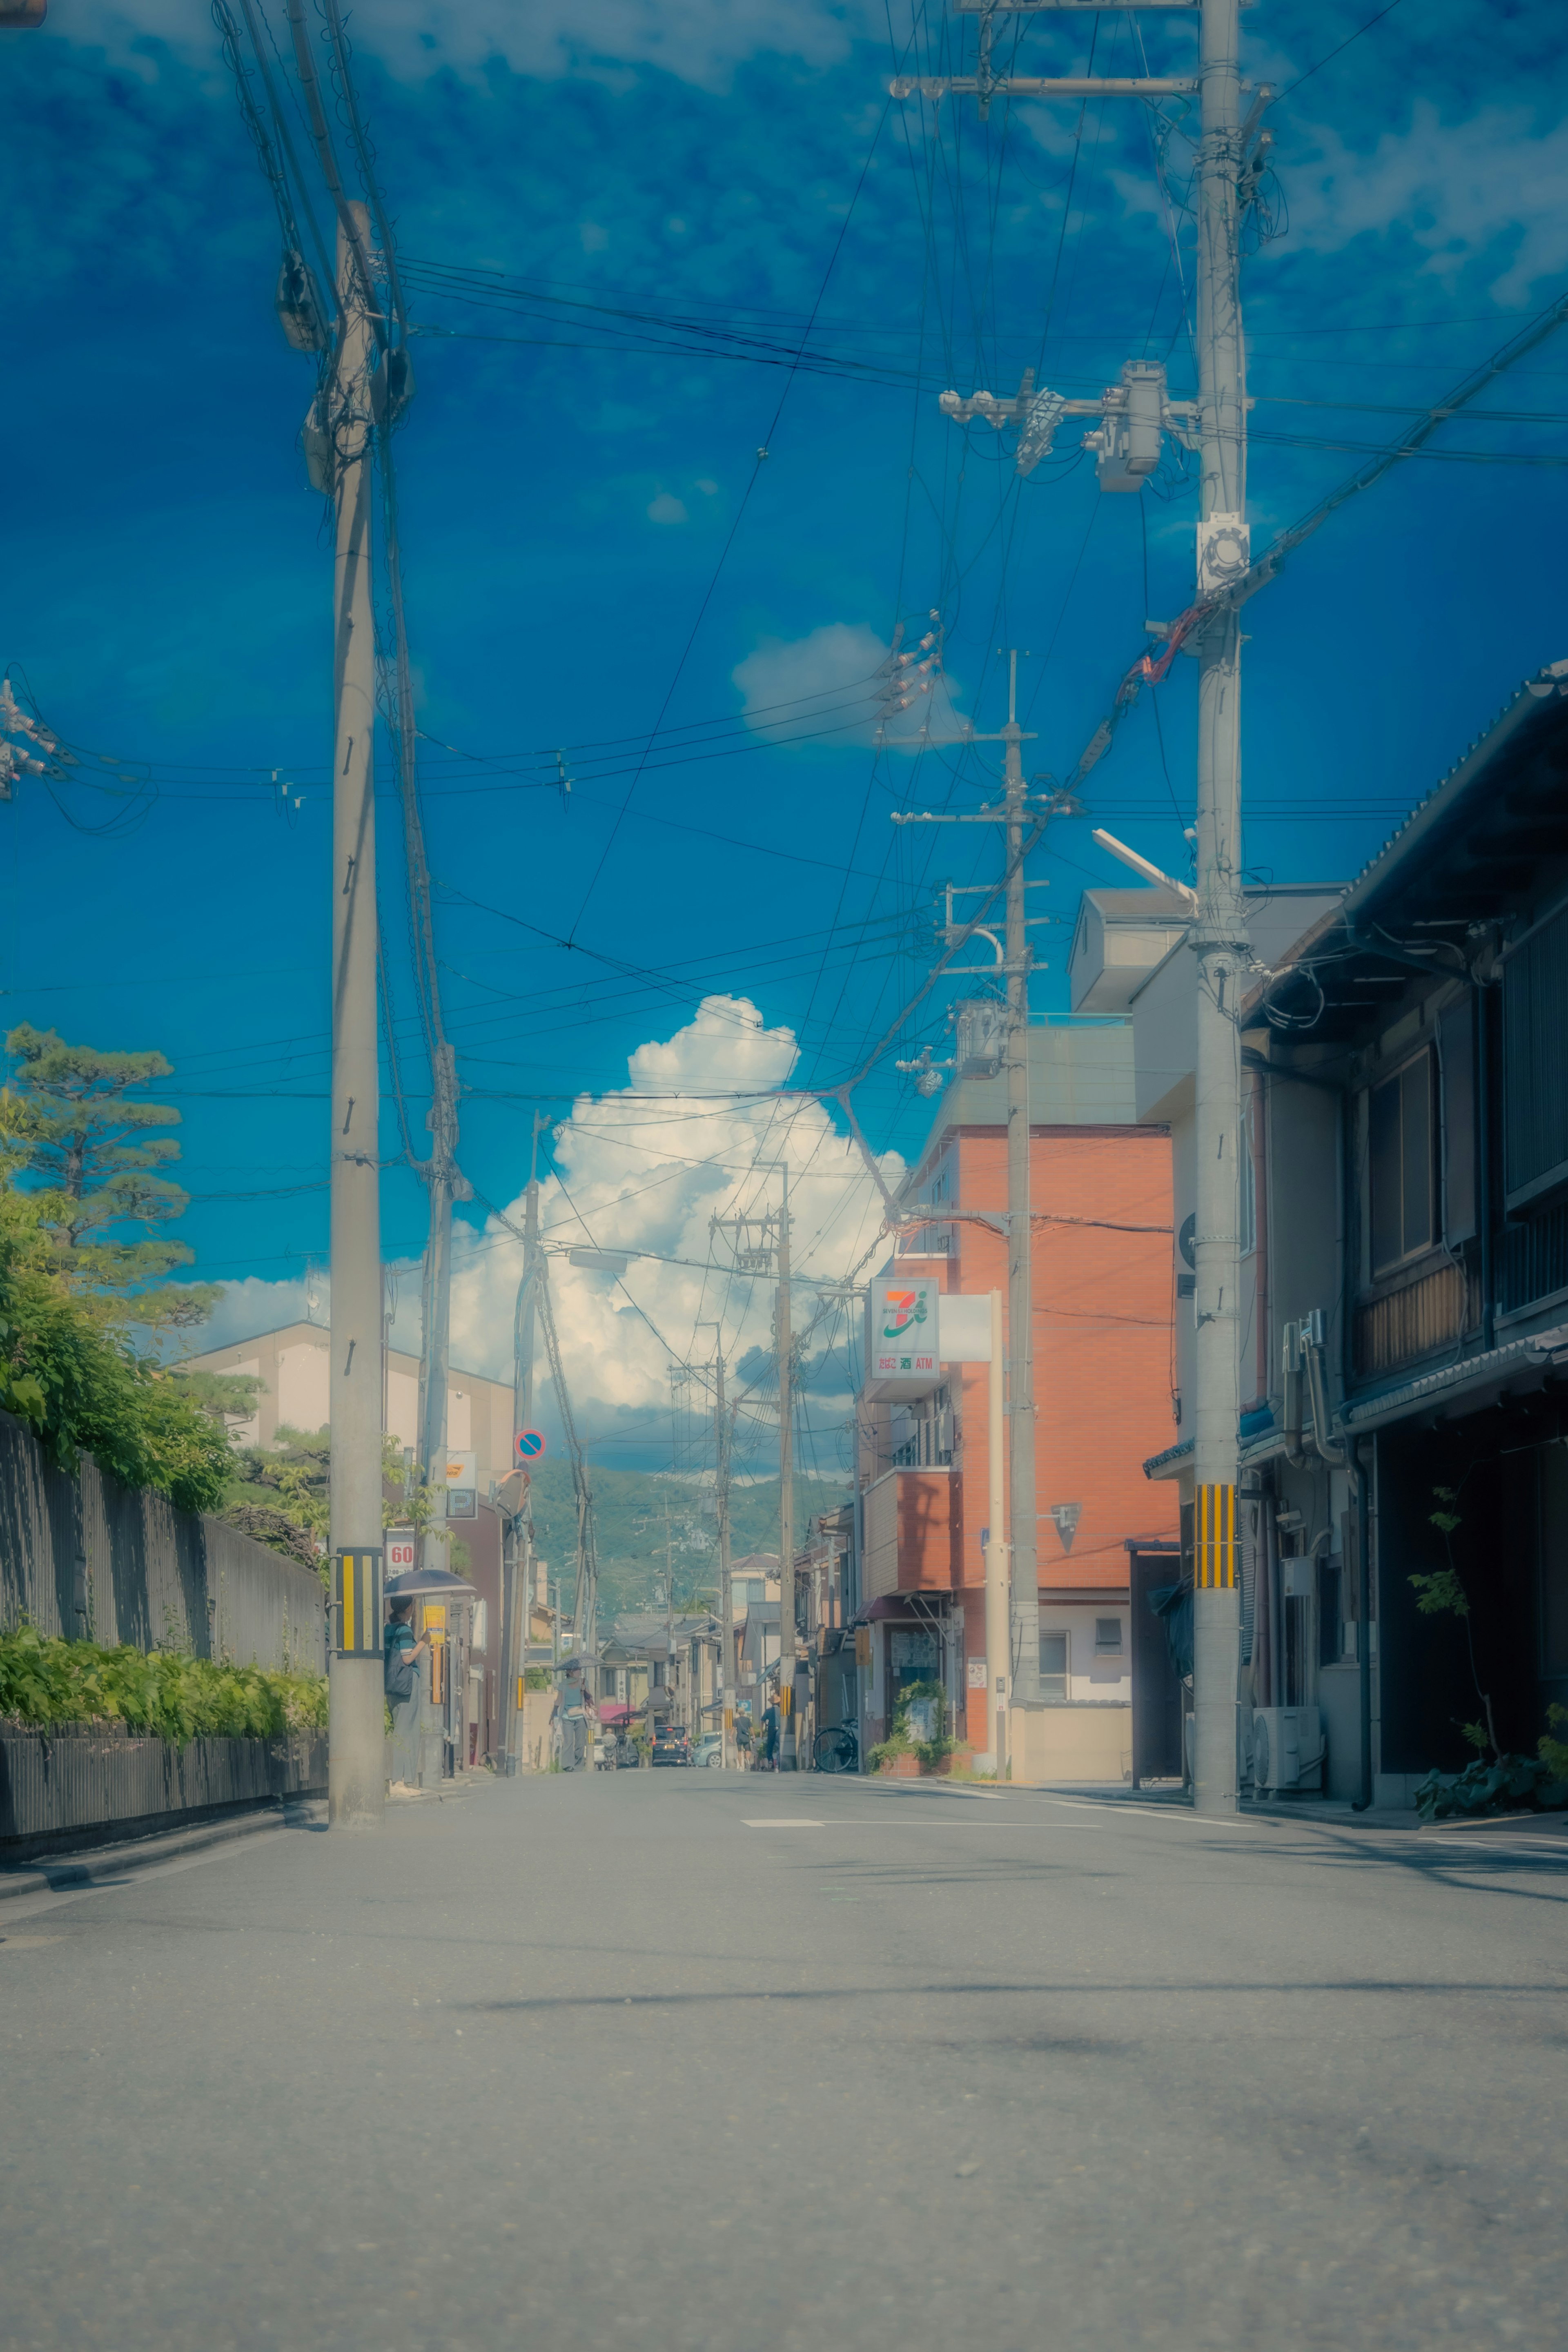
x: 1494, y: 184
x: 834, y: 684
x: 645, y: 1168
x: 699, y: 41
x: 698, y: 1131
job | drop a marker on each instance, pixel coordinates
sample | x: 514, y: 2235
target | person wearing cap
x: 401, y: 1654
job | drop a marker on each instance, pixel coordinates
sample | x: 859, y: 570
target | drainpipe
x: 1483, y: 1000
x: 1290, y: 1362
x: 1363, y: 1631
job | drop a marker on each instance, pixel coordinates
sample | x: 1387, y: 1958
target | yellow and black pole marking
x: 1213, y: 1539
x: 357, y: 1577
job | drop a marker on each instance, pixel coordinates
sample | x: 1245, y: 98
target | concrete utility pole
x: 722, y: 1692
x: 1024, y: 1632
x: 669, y: 1612
x: 356, y: 1774
x: 1014, y: 1665
x: 784, y: 1344
x: 1218, y: 935
x: 726, y: 1696
x: 1136, y: 414
x: 518, y: 1543
x: 436, y: 1306
x: 998, y: 1607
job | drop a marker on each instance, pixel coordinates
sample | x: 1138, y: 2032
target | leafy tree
x: 82, y: 1387
x: 291, y: 1477
x: 282, y: 1494
x: 76, y: 1122
x: 226, y: 1396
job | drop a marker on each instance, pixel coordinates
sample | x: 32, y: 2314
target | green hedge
x: 44, y: 1679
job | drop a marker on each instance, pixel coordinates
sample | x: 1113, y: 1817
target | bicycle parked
x: 837, y: 1749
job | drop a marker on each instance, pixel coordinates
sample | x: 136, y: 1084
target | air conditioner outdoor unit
x: 1288, y: 1747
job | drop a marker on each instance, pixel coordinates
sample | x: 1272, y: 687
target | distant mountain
x: 630, y: 1509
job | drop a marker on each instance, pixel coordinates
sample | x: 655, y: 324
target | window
x: 1054, y: 1667
x: 1535, y: 1099
x: 1107, y: 1636
x: 1330, y: 1612
x: 1400, y: 1154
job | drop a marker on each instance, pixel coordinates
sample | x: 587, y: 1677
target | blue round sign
x: 529, y: 1444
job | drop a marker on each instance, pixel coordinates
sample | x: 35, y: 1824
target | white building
x: 293, y: 1365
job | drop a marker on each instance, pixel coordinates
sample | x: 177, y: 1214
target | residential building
x: 1403, y: 1204
x: 1411, y: 1100
x: 1101, y: 1184
x: 291, y: 1364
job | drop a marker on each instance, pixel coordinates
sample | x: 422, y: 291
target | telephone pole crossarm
x: 1031, y: 85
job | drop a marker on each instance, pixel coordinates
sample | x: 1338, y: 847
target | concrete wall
x: 88, y: 1555
x: 1072, y: 1743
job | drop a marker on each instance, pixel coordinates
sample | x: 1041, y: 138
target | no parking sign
x: 530, y: 1446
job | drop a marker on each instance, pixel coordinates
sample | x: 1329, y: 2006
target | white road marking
x: 774, y: 1823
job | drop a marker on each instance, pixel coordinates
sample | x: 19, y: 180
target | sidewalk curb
x: 106, y: 1865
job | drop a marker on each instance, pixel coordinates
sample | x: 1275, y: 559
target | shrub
x: 900, y: 1741
x: 45, y: 1679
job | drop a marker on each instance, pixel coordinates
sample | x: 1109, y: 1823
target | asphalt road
x: 646, y: 2058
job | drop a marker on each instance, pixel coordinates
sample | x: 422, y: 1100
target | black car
x: 671, y: 1747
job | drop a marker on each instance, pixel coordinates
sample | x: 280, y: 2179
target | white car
x: 709, y: 1750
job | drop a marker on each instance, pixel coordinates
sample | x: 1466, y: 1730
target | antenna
x: 1141, y: 866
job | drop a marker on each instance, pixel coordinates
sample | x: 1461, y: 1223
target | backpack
x: 400, y: 1677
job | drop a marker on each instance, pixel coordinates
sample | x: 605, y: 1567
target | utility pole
x: 1218, y: 935
x: 1024, y: 1631
x: 669, y: 1610
x: 721, y: 1513
x: 726, y: 1600
x: 998, y: 1627
x: 784, y: 1342
x: 1013, y: 1667
x: 1232, y: 154
x: 518, y: 1548
x: 356, y: 1772
x: 440, y: 1174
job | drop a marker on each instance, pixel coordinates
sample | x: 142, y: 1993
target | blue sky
x: 566, y: 505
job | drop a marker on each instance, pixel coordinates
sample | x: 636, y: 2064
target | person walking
x: 770, y: 1738
x: 400, y: 1674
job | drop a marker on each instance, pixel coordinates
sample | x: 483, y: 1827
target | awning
x: 902, y: 1605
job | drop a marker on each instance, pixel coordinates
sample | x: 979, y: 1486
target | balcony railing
x: 1533, y: 1261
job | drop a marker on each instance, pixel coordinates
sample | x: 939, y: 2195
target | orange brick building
x: 1103, y: 1384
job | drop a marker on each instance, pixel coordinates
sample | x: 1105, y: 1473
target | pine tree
x: 75, y: 1120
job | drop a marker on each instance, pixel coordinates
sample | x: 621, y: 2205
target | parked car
x: 671, y: 1746
x: 709, y: 1750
